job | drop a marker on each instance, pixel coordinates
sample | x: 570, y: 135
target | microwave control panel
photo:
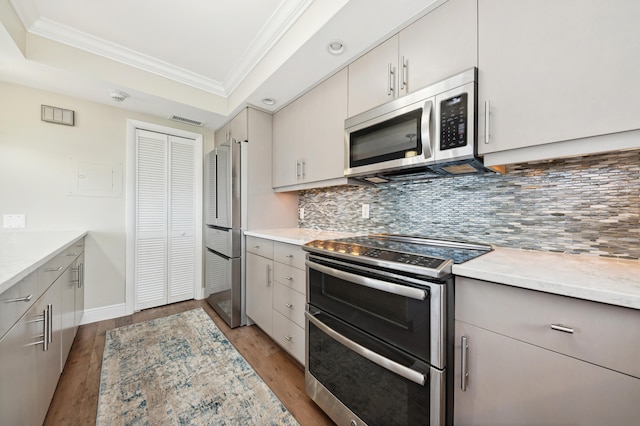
x: 453, y: 122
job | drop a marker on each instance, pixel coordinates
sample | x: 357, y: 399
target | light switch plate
x: 14, y: 220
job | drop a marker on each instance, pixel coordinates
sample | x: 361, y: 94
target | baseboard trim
x: 103, y: 313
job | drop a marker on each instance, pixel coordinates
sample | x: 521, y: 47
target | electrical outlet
x: 301, y: 213
x: 365, y: 211
x: 14, y: 220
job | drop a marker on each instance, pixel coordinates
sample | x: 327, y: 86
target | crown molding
x: 277, y: 25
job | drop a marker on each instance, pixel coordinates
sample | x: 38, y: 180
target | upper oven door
x: 405, y: 312
x: 394, y: 136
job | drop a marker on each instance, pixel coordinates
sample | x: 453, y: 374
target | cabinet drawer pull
x: 268, y: 275
x: 288, y: 338
x: 71, y: 254
x: 289, y: 256
x: 256, y: 247
x: 20, y: 299
x: 465, y: 364
x: 560, y: 327
x: 288, y: 305
x: 58, y: 269
x: 288, y: 278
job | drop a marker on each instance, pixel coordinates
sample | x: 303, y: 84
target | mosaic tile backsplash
x: 583, y: 205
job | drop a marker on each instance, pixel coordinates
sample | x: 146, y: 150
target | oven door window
x: 396, y: 138
x: 373, y: 393
x: 399, y: 320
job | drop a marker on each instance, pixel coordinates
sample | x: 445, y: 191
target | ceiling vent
x: 186, y: 120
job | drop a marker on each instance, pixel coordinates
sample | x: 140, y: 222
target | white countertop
x: 599, y: 279
x: 23, y: 252
x: 594, y: 278
x: 298, y: 236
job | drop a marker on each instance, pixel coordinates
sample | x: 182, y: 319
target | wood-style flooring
x: 76, y: 398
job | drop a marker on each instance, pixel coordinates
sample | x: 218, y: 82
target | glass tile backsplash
x: 587, y: 205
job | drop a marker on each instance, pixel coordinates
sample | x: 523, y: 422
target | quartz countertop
x: 298, y: 236
x: 599, y: 279
x: 22, y: 253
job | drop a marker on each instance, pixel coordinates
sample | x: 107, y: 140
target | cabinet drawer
x: 601, y: 334
x: 289, y: 335
x: 290, y: 276
x: 50, y: 271
x: 289, y: 303
x: 289, y: 254
x: 260, y: 246
x: 12, y: 309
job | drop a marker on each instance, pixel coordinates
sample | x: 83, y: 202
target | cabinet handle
x: 20, y: 299
x: 50, y: 312
x: 268, y: 275
x: 560, y: 327
x: 256, y: 247
x: 80, y: 275
x: 58, y: 269
x: 303, y: 167
x: 464, y: 367
x: 45, y: 330
x: 288, y: 278
x: 390, y: 82
x: 288, y: 305
x: 297, y: 168
x: 71, y: 255
x: 289, y: 256
x: 487, y: 107
x: 404, y: 74
x: 288, y: 338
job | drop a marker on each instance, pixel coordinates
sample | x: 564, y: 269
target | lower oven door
x: 357, y: 379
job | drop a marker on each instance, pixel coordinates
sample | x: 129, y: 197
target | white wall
x: 35, y: 176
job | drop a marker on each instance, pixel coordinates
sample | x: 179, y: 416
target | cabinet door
x: 17, y: 371
x: 238, y: 126
x: 67, y: 311
x: 555, y: 71
x: 260, y: 291
x: 439, y: 45
x: 514, y: 383
x: 324, y: 109
x: 372, y: 77
x: 287, y: 138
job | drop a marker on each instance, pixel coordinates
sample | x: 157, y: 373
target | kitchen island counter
x: 599, y: 279
x: 23, y: 252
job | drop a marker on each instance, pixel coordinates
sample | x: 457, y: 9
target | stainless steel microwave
x: 431, y: 131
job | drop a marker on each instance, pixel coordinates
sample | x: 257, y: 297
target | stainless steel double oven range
x: 379, y: 317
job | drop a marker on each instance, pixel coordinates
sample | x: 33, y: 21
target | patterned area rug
x: 181, y: 370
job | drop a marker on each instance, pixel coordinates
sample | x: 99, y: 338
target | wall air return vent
x: 186, y: 120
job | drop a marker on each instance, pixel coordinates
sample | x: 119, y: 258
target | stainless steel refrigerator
x: 225, y: 217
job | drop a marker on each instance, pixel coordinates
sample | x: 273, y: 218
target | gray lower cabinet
x: 527, y: 357
x: 37, y: 341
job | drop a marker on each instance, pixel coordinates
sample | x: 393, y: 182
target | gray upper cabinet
x: 308, y: 137
x: 436, y: 46
x: 553, y: 71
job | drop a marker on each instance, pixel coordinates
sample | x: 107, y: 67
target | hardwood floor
x: 76, y: 399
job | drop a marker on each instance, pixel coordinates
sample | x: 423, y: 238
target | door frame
x: 130, y: 204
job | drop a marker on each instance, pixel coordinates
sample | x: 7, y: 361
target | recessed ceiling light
x: 268, y: 101
x: 336, y: 47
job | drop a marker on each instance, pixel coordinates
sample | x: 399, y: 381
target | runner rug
x: 181, y: 370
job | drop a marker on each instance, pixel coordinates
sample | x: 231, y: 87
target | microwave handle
x: 425, y: 129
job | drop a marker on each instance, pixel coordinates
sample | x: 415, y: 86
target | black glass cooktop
x: 415, y: 252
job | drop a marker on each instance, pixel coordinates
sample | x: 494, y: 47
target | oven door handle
x: 383, y: 362
x: 400, y: 290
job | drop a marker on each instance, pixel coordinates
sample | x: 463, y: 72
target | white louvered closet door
x: 165, y: 243
x: 182, y: 219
